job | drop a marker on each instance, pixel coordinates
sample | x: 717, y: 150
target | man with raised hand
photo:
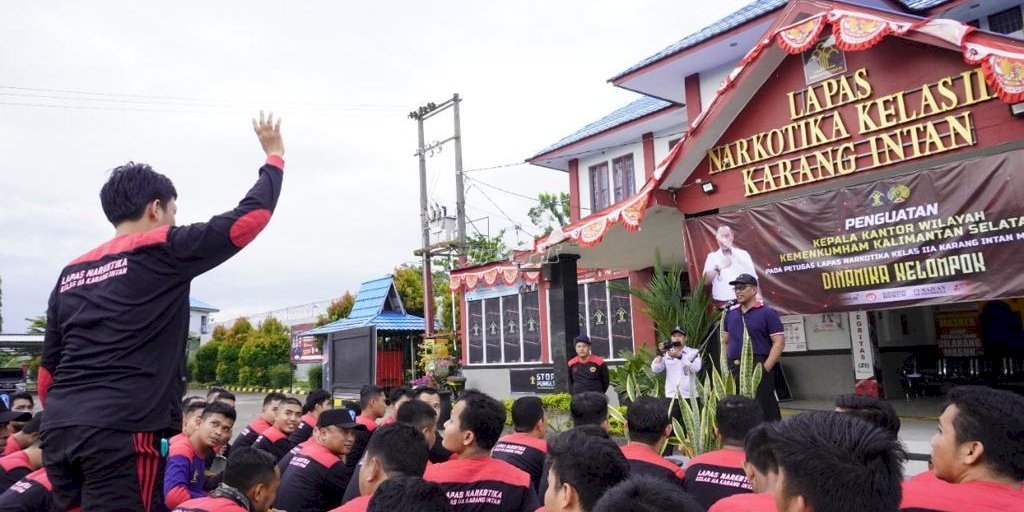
x: 113, y: 364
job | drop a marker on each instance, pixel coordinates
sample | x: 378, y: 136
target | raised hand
x: 269, y: 134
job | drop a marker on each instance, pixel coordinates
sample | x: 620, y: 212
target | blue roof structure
x: 633, y: 111
x: 194, y: 303
x: 749, y: 12
x: 379, y: 304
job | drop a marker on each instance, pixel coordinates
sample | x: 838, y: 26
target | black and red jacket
x: 525, y: 452
x: 219, y: 504
x: 935, y: 495
x: 484, y: 485
x: 314, y: 481
x: 250, y: 434
x: 304, y: 431
x: 715, y: 475
x: 644, y: 461
x: 274, y: 442
x: 117, y: 320
x: 14, y: 467
x: 591, y: 375
x: 30, y: 494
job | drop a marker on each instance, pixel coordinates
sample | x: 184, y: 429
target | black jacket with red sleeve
x: 117, y: 320
x: 274, y: 442
x: 30, y: 494
x: 484, y: 485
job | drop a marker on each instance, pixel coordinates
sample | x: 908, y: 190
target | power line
x: 517, y: 225
x: 513, y: 164
x: 499, y: 189
x: 151, y: 97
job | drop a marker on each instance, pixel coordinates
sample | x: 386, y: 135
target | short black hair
x: 130, y: 188
x: 400, y: 448
x: 273, y: 397
x: 759, y: 450
x: 482, y: 415
x: 589, y: 408
x: 219, y: 408
x: 21, y: 395
x: 291, y: 401
x: 873, y: 410
x: 315, y: 398
x: 646, y: 419
x: 994, y: 418
x: 735, y: 416
x: 838, y: 462
x: 352, y: 405
x: 398, y: 393
x: 425, y: 390
x: 368, y: 393
x: 195, y: 405
x: 248, y: 467
x: 646, y: 494
x: 417, y: 413
x: 226, y: 395
x: 408, y: 494
x: 587, y: 459
x: 526, y: 412
x: 189, y: 399
x: 214, y: 390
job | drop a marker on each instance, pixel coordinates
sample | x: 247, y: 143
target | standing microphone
x: 729, y: 304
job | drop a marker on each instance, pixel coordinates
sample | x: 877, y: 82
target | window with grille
x: 623, y: 177
x: 1006, y: 22
x: 599, y: 193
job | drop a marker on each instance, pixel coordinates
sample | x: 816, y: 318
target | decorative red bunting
x: 802, y: 36
x: 506, y: 273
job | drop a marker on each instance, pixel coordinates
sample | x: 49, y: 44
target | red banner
x: 950, y: 234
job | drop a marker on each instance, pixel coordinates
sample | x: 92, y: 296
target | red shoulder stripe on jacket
x: 125, y: 243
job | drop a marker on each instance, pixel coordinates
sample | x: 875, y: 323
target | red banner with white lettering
x: 953, y: 233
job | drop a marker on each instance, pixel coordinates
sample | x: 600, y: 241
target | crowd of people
x: 385, y: 452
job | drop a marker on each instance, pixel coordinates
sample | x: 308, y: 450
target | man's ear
x: 972, y: 452
x: 468, y: 437
x: 568, y: 499
x: 372, y: 469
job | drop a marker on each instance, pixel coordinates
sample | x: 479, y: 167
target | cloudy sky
x: 86, y: 86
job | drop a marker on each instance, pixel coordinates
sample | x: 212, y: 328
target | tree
x: 552, y: 210
x: 338, y: 309
x: 36, y: 325
x: 206, y: 361
x: 239, y: 331
x: 484, y: 249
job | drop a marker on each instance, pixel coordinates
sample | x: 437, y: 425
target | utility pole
x: 420, y: 115
x: 460, y: 190
x: 428, y: 284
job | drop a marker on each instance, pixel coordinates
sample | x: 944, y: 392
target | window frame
x: 501, y: 333
x: 596, y: 172
x: 620, y: 172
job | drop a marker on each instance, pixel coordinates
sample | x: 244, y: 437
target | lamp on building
x: 707, y: 187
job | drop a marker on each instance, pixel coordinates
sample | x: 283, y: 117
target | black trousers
x: 104, y: 470
x: 765, y: 393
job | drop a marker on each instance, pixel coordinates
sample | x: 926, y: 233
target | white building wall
x: 662, y: 139
x: 711, y: 80
x: 637, y: 148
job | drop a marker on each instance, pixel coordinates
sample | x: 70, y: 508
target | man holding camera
x: 680, y: 364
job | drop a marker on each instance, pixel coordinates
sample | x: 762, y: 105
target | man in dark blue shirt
x: 113, y: 361
x: 764, y: 327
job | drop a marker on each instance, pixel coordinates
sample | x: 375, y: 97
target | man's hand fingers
x: 255, y: 126
x: 277, y: 127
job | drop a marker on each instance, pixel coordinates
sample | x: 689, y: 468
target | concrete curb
x: 287, y: 391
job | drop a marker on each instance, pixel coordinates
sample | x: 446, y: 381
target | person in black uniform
x: 409, y: 494
x: 111, y: 378
x: 395, y: 450
x: 274, y: 440
x: 316, y: 477
x: 317, y: 401
x: 250, y: 485
x: 648, y: 425
x: 30, y: 494
x: 585, y: 463
x: 525, y: 449
x: 587, y: 372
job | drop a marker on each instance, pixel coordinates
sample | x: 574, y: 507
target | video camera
x: 668, y: 344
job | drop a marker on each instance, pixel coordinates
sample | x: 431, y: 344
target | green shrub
x: 316, y: 377
x: 281, y: 376
x: 227, y: 363
x: 259, y: 355
x: 206, y: 362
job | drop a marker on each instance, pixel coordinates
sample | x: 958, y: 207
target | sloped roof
x: 631, y: 112
x: 749, y: 12
x: 194, y: 303
x: 379, y: 304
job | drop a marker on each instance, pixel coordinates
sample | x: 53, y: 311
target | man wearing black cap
x: 28, y: 434
x: 763, y: 325
x: 587, y: 372
x: 680, y: 364
x: 316, y: 477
